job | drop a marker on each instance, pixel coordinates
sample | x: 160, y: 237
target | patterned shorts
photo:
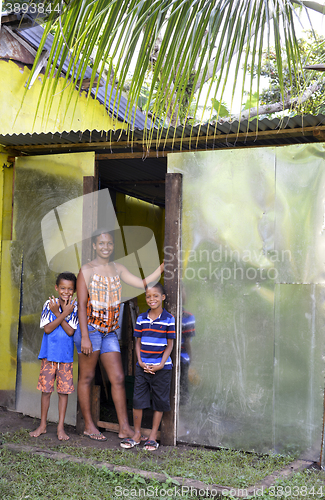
x: 62, y: 372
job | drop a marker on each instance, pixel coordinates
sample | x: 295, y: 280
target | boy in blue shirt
x: 59, y: 319
x: 155, y: 334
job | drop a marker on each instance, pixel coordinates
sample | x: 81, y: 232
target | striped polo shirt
x: 154, y: 335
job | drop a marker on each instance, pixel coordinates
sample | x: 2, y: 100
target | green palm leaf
x: 200, y: 41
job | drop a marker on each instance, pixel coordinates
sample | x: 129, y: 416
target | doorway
x: 137, y: 190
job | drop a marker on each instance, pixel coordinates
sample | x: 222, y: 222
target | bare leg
x: 157, y: 416
x: 63, y: 402
x: 112, y: 363
x: 45, y: 404
x: 87, y: 366
x: 137, y: 419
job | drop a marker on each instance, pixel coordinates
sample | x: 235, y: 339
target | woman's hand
x: 86, y: 346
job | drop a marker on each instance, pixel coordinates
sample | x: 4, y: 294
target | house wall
x: 10, y: 278
x: 253, y: 243
x: 18, y: 112
x: 48, y: 212
x: 18, y: 116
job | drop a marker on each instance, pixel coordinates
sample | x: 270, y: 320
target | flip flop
x: 128, y: 443
x: 96, y: 436
x: 151, y: 443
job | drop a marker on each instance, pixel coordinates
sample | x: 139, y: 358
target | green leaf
x: 200, y: 41
x: 252, y: 101
x: 220, y: 108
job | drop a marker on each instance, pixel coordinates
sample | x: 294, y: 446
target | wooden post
x: 172, y: 283
x: 322, y: 443
x: 89, y: 217
x: 89, y: 224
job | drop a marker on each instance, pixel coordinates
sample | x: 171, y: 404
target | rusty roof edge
x: 293, y: 126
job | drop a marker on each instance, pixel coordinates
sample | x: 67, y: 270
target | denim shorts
x: 100, y: 341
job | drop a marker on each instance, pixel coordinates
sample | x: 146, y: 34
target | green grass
x: 308, y: 485
x: 225, y: 467
x: 221, y: 466
x: 27, y: 476
x: 35, y: 477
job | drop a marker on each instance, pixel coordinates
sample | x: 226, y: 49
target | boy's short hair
x: 157, y: 285
x: 66, y: 275
x: 98, y: 232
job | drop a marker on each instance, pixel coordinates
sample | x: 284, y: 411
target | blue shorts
x: 101, y: 342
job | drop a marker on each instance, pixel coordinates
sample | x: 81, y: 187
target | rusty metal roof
x: 265, y: 132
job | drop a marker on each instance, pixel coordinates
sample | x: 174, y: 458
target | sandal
x: 152, y: 444
x: 96, y: 436
x: 128, y: 443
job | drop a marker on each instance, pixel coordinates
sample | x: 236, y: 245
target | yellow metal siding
x: 19, y: 118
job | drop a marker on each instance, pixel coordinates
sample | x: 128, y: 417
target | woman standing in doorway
x: 99, y: 296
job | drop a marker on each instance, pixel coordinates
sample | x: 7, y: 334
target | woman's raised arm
x: 132, y: 280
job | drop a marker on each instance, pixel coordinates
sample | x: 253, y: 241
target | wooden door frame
x: 172, y: 284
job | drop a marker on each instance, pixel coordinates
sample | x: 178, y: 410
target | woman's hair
x: 99, y: 231
x: 157, y: 285
x: 66, y: 275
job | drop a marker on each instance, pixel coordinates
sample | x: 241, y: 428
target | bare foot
x: 40, y: 430
x: 62, y: 436
x: 126, y: 432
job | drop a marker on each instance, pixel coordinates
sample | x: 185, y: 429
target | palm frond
x: 200, y: 41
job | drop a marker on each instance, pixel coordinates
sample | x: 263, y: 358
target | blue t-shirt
x: 154, y: 335
x: 58, y: 345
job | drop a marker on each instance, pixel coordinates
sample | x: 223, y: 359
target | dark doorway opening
x: 137, y: 190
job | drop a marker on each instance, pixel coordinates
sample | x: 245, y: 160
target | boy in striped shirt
x: 155, y: 334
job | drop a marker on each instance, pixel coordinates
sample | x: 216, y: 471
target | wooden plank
x: 136, y: 154
x: 152, y: 182
x: 319, y: 134
x: 95, y: 402
x: 109, y: 426
x: 172, y: 283
x: 89, y: 219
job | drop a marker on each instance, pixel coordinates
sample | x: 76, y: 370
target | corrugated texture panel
x: 198, y: 132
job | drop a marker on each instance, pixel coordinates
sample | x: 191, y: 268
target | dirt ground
x: 12, y: 421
